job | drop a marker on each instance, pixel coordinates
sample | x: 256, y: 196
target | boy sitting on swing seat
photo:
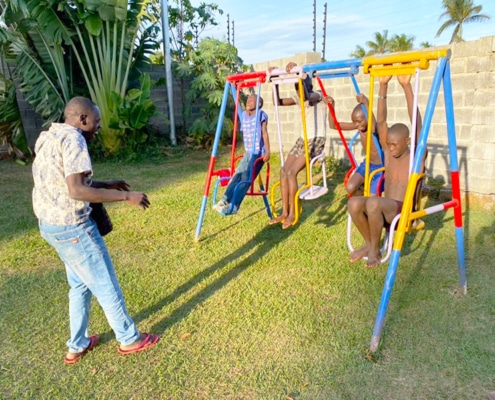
x: 256, y: 145
x: 315, y: 113
x: 371, y: 214
x: 360, y: 123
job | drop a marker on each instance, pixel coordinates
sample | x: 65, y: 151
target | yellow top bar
x: 407, y: 61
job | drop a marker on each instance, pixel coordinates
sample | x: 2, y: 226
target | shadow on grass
x: 338, y: 200
x: 486, y: 234
x: 263, y: 243
x: 212, y: 236
x: 309, y: 207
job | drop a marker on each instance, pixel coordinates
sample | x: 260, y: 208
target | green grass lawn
x: 250, y: 311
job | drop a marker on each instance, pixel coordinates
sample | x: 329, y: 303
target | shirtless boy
x: 360, y: 122
x: 370, y: 214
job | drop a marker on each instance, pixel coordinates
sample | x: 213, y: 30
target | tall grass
x: 250, y: 311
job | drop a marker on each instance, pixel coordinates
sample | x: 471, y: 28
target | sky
x: 266, y: 30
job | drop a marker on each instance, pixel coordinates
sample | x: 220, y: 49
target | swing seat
x: 388, y: 239
x: 223, y: 173
x: 313, y: 192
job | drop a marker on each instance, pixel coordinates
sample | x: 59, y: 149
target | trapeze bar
x: 389, y: 63
x: 340, y: 74
x: 354, y: 62
x: 256, y: 76
x: 334, y: 69
x: 406, y: 57
x: 278, y: 75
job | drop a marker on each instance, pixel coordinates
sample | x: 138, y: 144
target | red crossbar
x: 248, y: 79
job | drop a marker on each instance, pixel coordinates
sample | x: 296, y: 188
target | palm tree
x: 401, y: 43
x: 381, y: 44
x: 458, y: 13
x: 60, y: 52
x: 360, y: 52
x: 426, y: 45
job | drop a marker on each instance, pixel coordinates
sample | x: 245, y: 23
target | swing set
x: 407, y: 221
x: 234, y: 85
x: 309, y: 191
x: 409, y: 64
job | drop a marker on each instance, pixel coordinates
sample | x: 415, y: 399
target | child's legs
x: 243, y: 188
x: 357, y: 179
x: 357, y: 209
x: 284, y: 191
x: 379, y: 210
x: 290, y: 170
x: 354, y: 183
x: 293, y: 166
x: 241, y: 174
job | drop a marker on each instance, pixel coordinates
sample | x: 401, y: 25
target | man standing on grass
x: 63, y: 189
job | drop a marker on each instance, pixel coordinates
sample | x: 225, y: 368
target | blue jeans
x: 90, y: 271
x: 242, y: 175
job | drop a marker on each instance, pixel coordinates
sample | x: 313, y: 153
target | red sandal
x: 93, y: 342
x: 149, y: 341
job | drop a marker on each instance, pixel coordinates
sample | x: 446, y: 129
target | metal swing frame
x: 233, y: 84
x: 403, y: 64
x: 386, y: 249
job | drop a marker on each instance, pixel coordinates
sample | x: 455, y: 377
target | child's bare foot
x: 358, y: 254
x: 374, y: 259
x: 288, y: 222
x: 278, y: 220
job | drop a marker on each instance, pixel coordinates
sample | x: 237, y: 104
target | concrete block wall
x: 473, y: 84
x: 31, y: 120
x: 160, y: 99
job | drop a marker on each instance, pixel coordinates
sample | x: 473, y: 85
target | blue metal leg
x: 201, y: 217
x: 387, y: 291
